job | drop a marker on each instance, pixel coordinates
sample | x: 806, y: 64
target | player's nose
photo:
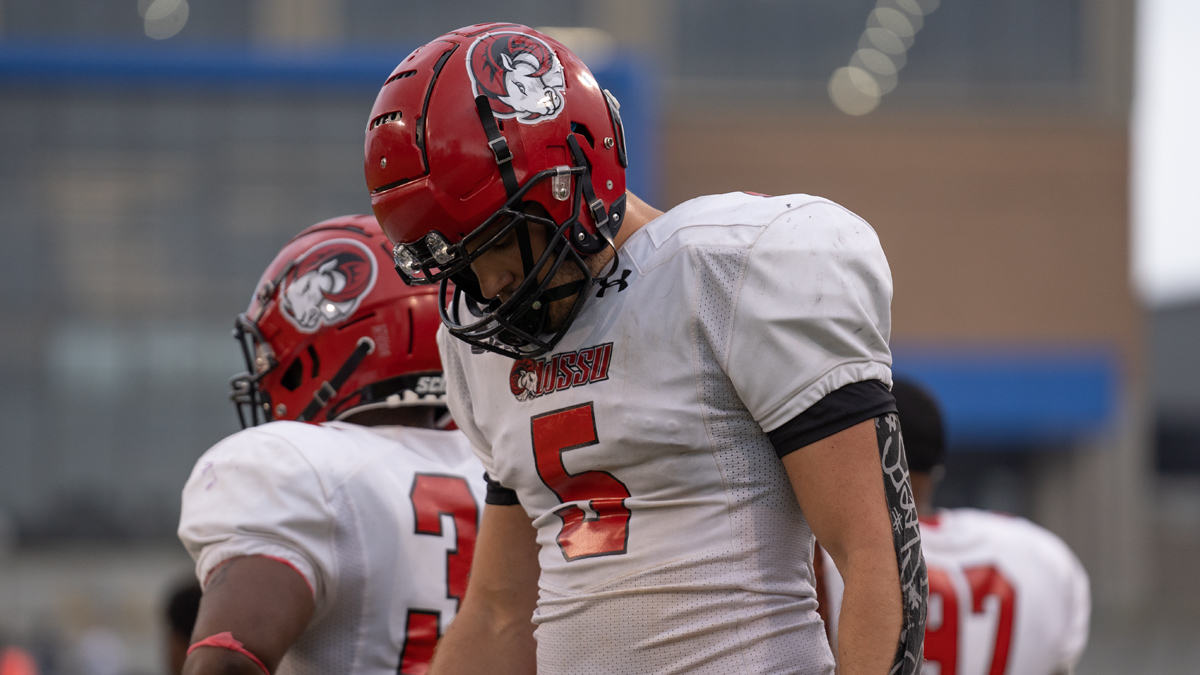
x: 493, y: 277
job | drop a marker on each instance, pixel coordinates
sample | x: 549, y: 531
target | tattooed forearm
x: 906, y: 536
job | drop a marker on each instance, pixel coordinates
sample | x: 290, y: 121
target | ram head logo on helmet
x: 327, y: 284
x: 520, y: 75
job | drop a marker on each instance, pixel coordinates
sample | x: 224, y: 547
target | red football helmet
x: 327, y: 335
x: 468, y: 130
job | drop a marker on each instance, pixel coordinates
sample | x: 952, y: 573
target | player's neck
x: 637, y: 214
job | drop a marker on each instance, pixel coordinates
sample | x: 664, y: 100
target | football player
x: 1005, y: 596
x: 668, y: 406
x: 336, y: 535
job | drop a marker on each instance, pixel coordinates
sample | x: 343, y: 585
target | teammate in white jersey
x: 1005, y: 596
x: 631, y: 379
x: 336, y: 537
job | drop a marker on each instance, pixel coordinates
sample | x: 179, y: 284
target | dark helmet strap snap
x: 328, y: 389
x: 585, y: 242
x: 497, y: 143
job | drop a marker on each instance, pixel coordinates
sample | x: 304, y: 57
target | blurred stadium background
x: 154, y: 154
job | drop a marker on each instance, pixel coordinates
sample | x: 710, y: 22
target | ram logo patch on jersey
x: 531, y: 378
x: 520, y: 75
x: 327, y: 284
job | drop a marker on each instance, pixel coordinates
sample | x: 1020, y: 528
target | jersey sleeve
x: 255, y: 494
x: 812, y: 313
x: 458, y: 398
x: 1079, y: 611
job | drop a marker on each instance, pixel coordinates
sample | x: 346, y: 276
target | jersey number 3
x: 604, y: 531
x: 434, y: 496
x: 941, y: 642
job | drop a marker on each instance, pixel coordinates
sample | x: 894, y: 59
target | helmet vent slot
x: 582, y: 130
x: 389, y: 186
x: 385, y: 118
x: 316, y: 361
x: 293, y: 376
x: 400, y: 76
x: 411, y: 330
x: 359, y: 319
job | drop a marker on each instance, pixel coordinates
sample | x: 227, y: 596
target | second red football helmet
x: 331, y: 331
x: 469, y: 130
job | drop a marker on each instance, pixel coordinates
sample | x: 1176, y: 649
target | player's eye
x: 506, y: 240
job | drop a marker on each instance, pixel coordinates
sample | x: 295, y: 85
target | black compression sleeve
x: 906, y: 536
x: 838, y: 411
x: 498, y: 494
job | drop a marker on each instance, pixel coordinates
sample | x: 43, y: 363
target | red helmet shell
x: 428, y: 164
x: 330, y: 287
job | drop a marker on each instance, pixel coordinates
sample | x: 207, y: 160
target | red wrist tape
x: 226, y: 641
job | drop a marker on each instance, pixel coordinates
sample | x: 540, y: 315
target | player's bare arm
x: 838, y: 484
x: 263, y: 603
x: 493, y: 632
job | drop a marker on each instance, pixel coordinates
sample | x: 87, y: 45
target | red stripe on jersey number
x: 434, y: 496
x: 606, y: 532
x: 941, y: 640
x: 987, y: 581
x: 421, y: 631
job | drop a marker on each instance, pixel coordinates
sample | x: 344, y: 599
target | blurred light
x: 878, y: 65
x: 911, y: 7
x: 165, y: 18
x: 854, y: 91
x: 875, y: 61
x: 895, y: 21
x: 884, y: 40
x: 873, y: 71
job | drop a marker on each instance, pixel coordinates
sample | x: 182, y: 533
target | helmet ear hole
x: 292, y: 376
x: 582, y: 130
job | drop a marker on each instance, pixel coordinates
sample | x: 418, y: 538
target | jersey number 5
x: 434, y: 496
x: 941, y: 642
x: 605, y: 531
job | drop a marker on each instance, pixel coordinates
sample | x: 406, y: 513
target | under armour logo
x: 606, y: 284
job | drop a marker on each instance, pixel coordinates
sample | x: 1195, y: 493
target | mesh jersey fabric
x: 340, y: 503
x: 671, y: 540
x: 1050, y: 604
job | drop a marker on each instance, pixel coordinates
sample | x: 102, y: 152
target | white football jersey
x: 671, y: 540
x: 381, y: 522
x: 1006, y: 597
